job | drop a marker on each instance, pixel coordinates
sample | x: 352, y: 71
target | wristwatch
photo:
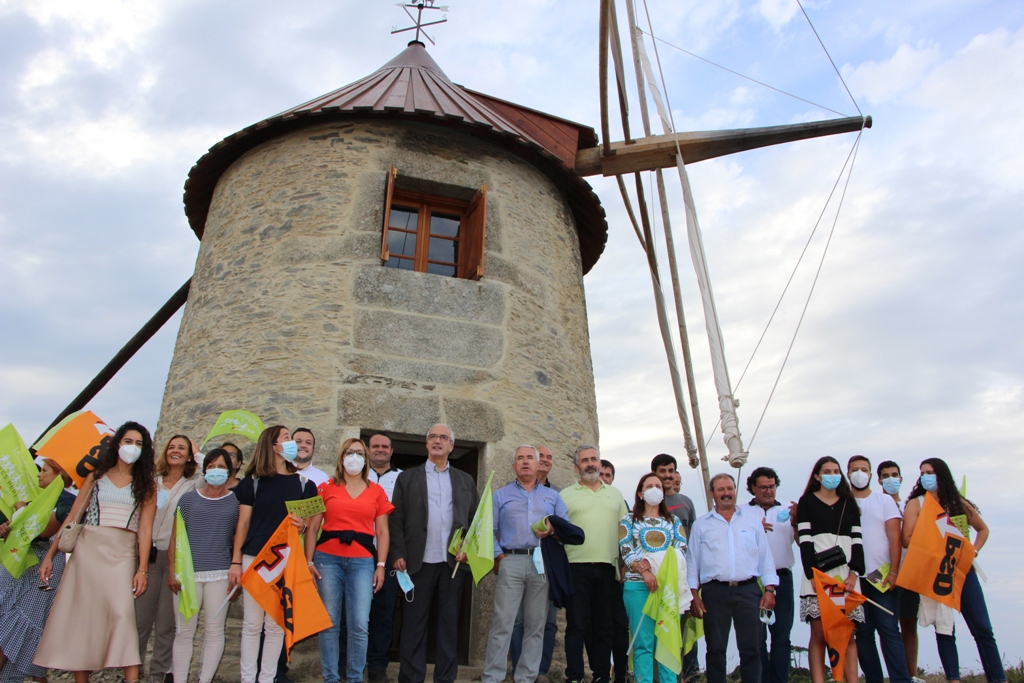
x: 770, y: 589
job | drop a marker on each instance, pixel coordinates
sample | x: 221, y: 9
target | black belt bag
x: 830, y: 558
x: 348, y: 537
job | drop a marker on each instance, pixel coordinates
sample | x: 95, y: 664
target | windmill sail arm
x: 659, y: 151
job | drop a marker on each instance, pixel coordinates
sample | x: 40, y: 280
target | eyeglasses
x: 765, y: 489
x: 444, y: 438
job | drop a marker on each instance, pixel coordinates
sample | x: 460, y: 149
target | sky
x: 910, y: 345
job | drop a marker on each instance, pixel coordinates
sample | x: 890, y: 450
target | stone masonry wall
x: 292, y: 316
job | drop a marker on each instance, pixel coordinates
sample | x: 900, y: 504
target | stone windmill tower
x: 399, y: 252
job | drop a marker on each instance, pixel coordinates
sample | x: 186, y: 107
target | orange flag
x: 939, y: 556
x: 76, y: 443
x: 835, y: 604
x: 279, y: 580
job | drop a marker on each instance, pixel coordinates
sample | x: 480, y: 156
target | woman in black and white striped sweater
x: 828, y: 516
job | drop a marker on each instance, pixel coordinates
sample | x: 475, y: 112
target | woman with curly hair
x: 92, y: 623
x: 937, y: 482
x: 175, y: 475
x: 645, y: 536
x: 828, y: 517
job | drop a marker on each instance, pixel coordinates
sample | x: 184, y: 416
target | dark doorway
x: 411, y: 451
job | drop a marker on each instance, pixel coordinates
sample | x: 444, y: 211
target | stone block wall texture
x: 292, y: 316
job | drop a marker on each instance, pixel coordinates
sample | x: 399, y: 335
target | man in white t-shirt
x: 382, y: 609
x: 880, y: 523
x: 778, y: 526
x: 306, y: 442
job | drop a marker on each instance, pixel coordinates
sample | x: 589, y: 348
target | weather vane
x: 420, y: 6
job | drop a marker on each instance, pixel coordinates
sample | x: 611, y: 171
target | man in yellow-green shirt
x: 597, y: 509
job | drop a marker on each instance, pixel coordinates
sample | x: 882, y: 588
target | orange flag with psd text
x: 279, y: 580
x: 939, y: 556
x: 835, y: 604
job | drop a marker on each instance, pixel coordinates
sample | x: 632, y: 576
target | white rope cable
x: 828, y: 242
x: 792, y: 274
x: 831, y: 61
x: 743, y: 76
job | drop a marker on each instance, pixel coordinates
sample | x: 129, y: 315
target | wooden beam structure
x: 659, y: 151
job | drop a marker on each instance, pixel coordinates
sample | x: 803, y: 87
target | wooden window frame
x: 472, y: 226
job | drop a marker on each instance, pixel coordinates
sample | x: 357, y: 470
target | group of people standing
x: 384, y: 531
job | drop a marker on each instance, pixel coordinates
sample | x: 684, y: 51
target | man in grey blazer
x: 431, y: 502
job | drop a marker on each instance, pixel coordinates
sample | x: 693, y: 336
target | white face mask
x: 860, y: 479
x: 353, y: 463
x: 129, y: 453
x: 654, y: 496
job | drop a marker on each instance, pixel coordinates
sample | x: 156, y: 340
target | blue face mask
x: 831, y: 481
x: 538, y: 559
x: 289, y: 450
x: 406, y: 584
x: 783, y: 515
x: 891, y: 485
x: 215, y: 476
x: 767, y: 616
x: 930, y: 482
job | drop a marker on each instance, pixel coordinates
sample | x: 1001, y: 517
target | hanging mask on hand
x: 405, y: 583
x: 538, y: 560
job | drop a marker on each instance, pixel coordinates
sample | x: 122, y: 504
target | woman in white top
x: 92, y: 622
x: 175, y: 475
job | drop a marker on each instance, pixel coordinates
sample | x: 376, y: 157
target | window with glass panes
x: 430, y: 234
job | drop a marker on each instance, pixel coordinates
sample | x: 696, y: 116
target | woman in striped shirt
x: 828, y: 516
x: 210, y: 514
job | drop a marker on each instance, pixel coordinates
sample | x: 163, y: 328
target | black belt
x: 783, y: 572
x: 744, y: 582
x: 518, y: 551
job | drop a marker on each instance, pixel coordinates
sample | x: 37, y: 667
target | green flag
x: 455, y: 545
x: 692, y: 632
x: 963, y: 487
x: 663, y: 607
x: 479, y: 543
x: 188, y: 598
x: 19, y: 476
x: 15, y: 552
x: 240, y: 422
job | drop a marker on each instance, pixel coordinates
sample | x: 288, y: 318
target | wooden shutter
x: 384, y: 254
x: 471, y: 260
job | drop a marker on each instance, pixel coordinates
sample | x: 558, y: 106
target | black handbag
x: 833, y: 557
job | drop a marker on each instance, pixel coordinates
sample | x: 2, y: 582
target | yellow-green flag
x: 663, y: 607
x: 19, y: 476
x: 692, y: 632
x: 16, y: 553
x: 479, y: 543
x: 188, y: 598
x: 240, y: 422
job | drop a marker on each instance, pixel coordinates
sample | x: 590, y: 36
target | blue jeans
x: 635, y: 594
x: 775, y: 665
x: 975, y: 613
x: 888, y: 628
x: 348, y: 581
x: 515, y: 648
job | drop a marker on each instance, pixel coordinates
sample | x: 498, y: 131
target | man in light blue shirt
x: 516, y: 508
x: 727, y: 555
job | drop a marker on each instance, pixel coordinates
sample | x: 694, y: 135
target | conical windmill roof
x: 413, y: 86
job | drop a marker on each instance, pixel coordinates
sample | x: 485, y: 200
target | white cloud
x: 880, y: 82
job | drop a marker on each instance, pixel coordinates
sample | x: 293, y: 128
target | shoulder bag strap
x: 840, y: 528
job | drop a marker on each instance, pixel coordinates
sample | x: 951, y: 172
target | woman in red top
x: 343, y: 559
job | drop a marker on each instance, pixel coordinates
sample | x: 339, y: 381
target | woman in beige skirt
x: 92, y: 621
